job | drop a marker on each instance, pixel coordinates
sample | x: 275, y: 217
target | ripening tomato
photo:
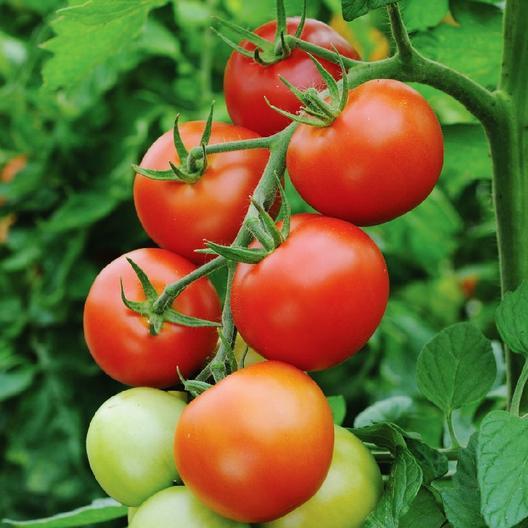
x: 380, y: 158
x: 247, y: 82
x: 316, y: 299
x: 176, y: 507
x: 129, y: 443
x: 258, y: 444
x: 349, y: 493
x: 180, y: 216
x: 119, y: 339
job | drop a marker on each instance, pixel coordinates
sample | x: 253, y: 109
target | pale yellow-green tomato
x: 176, y: 507
x: 250, y: 358
x: 130, y: 443
x: 348, y: 494
x: 131, y: 512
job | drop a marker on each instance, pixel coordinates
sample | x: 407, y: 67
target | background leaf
x: 503, y: 469
x: 512, y: 319
x: 462, y: 498
x: 456, y: 367
x: 99, y: 511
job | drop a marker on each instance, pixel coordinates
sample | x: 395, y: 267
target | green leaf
x: 427, y: 233
x: 15, y: 381
x: 355, y: 8
x: 456, y: 367
x: 389, y: 410
x: 467, y: 158
x: 404, y: 483
x: 473, y: 46
x: 433, y: 463
x: 80, y: 210
x: 503, y: 469
x: 462, y: 498
x: 338, y: 407
x: 100, y: 510
x: 424, y: 512
x: 89, y: 34
x: 512, y: 319
x: 422, y: 14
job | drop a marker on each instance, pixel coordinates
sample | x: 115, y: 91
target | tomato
x: 379, y: 159
x: 349, y: 493
x: 316, y: 299
x: 129, y: 443
x: 247, y: 82
x: 119, y: 339
x: 176, y: 507
x: 179, y: 216
x: 258, y: 444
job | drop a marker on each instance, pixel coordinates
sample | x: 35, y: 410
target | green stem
x: 387, y: 457
x: 399, y: 33
x: 173, y: 289
x: 509, y: 147
x: 228, y: 146
x: 452, y: 434
x: 515, y: 407
x: 314, y: 49
x: 264, y: 195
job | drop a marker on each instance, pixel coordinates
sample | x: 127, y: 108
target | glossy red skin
x: 247, y: 82
x: 179, y: 216
x: 119, y: 339
x: 317, y: 299
x: 257, y: 444
x: 379, y: 159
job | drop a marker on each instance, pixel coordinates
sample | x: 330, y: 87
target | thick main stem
x: 509, y: 148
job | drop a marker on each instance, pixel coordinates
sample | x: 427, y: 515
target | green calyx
x: 263, y: 228
x: 266, y: 52
x: 146, y: 308
x: 191, y: 166
x: 316, y: 110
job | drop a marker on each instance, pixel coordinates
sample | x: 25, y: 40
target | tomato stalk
x: 509, y: 148
x: 264, y: 195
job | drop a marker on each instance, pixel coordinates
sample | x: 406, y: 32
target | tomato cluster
x: 260, y: 446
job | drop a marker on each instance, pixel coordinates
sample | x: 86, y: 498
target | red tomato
x: 379, y: 159
x: 316, y: 299
x: 179, y: 216
x: 246, y: 82
x: 258, y: 444
x: 119, y: 339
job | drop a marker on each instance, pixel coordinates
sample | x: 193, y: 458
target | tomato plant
x: 447, y: 414
x: 119, y: 339
x: 349, y: 493
x: 179, y: 216
x: 247, y: 83
x: 384, y: 168
x: 129, y: 443
x: 256, y: 445
x: 176, y: 507
x: 316, y: 299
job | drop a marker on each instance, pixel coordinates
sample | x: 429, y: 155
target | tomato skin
x: 316, y: 299
x: 258, y: 444
x: 379, y: 159
x: 246, y: 82
x: 119, y: 339
x: 129, y: 443
x: 179, y: 216
x: 176, y: 507
x: 349, y: 493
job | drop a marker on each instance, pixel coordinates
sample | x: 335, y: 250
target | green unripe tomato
x: 348, y: 494
x: 129, y: 444
x: 176, y: 507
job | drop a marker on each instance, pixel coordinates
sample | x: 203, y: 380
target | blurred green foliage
x: 111, y: 89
